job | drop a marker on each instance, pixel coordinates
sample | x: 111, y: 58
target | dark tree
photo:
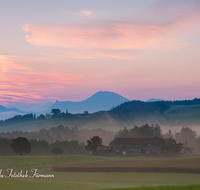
x: 93, y: 143
x: 41, y: 117
x: 57, y: 150
x: 141, y: 131
x: 162, y: 107
x: 55, y: 112
x: 170, y: 145
x: 123, y: 147
x: 21, y: 146
x: 157, y: 131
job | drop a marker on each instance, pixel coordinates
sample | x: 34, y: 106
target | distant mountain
x: 9, y: 114
x: 5, y: 109
x: 32, y: 107
x: 154, y: 100
x: 6, y: 113
x: 102, y: 100
x: 45, y: 107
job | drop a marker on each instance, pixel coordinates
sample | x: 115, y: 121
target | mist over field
x: 107, y: 129
x: 7, y: 115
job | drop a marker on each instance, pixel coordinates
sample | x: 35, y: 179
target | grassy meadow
x: 187, y: 115
x: 89, y: 180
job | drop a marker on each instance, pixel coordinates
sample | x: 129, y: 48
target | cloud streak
x: 7, y: 63
x: 96, y: 41
x: 157, y: 29
x: 114, y: 36
x: 29, y: 86
x: 84, y: 13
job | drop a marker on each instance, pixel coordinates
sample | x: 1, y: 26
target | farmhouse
x: 139, y: 145
x: 103, y: 150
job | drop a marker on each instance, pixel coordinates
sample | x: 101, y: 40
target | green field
x: 187, y: 165
x: 86, y: 180
x: 177, y: 187
x: 187, y: 115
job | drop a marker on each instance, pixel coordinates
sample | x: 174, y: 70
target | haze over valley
x: 99, y: 94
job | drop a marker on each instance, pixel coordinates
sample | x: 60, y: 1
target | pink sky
x: 69, y: 51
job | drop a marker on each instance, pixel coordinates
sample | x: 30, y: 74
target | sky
x: 70, y: 49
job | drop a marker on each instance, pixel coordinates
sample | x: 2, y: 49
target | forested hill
x: 184, y: 102
x: 133, y: 110
x: 139, y: 107
x: 177, y: 112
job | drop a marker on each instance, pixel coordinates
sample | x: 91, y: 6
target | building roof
x: 103, y: 148
x: 139, y: 141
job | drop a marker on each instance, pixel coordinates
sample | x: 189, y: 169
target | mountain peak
x: 101, y: 100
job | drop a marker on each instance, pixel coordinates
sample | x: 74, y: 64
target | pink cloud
x: 90, y: 41
x: 176, y: 10
x: 28, y: 85
x: 119, y: 54
x: 158, y: 28
x: 7, y: 63
x: 114, y: 36
x: 73, y: 54
x: 86, y: 53
x: 84, y: 13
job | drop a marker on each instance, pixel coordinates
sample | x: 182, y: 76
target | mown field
x: 87, y: 180
x: 187, y: 165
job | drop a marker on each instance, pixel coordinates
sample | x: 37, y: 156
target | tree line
x: 134, y: 110
x: 127, y: 110
x: 61, y: 133
x: 185, y: 140
x: 71, y: 139
x: 41, y: 147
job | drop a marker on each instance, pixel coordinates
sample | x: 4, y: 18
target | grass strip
x: 124, y: 169
x: 175, y: 187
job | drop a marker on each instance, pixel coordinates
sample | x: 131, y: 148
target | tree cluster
x: 184, y: 141
x: 146, y: 130
x: 93, y: 143
x: 171, y: 146
x: 184, y: 102
x: 18, y: 119
x: 60, y: 133
x: 137, y: 107
x: 186, y: 136
x: 21, y: 146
